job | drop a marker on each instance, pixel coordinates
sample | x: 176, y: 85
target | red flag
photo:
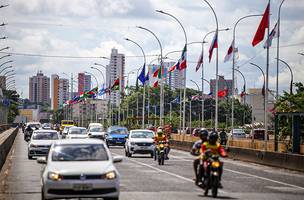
x: 222, y: 93
x: 183, y: 59
x: 155, y: 74
x: 229, y: 52
x: 155, y: 84
x: 213, y: 46
x: 115, y: 84
x: 171, y: 69
x: 259, y: 35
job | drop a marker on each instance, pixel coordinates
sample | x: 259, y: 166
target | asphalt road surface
x: 143, y: 179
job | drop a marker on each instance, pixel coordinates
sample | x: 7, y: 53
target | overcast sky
x: 92, y: 27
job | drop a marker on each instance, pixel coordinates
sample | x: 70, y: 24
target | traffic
x: 78, y: 162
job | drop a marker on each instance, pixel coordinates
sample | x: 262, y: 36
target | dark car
x: 258, y: 134
x: 116, y: 136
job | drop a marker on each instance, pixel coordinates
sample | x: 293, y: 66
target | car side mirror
x: 117, y: 159
x: 42, y: 160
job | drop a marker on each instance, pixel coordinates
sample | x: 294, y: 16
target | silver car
x: 41, y: 142
x: 80, y: 169
x: 141, y: 142
x: 77, y: 133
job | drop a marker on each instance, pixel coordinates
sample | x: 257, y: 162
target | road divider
x: 274, y: 159
x: 7, y: 139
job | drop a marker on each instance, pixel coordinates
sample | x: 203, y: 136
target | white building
x: 115, y: 69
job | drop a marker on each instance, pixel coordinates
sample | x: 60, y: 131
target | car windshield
x: 78, y: 131
x: 80, y: 152
x: 45, y: 136
x: 142, y: 134
x: 95, y: 129
x: 119, y: 131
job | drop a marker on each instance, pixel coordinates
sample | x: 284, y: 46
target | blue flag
x: 176, y: 100
x: 102, y: 91
x: 142, y: 75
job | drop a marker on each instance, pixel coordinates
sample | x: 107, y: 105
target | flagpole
x: 185, y: 72
x: 278, y: 49
x: 161, y: 82
x: 216, y: 73
x: 266, y: 84
x: 233, y: 66
x: 144, y: 87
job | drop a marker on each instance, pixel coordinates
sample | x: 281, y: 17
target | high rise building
x: 84, y: 83
x: 59, y: 91
x: 222, y: 84
x: 39, y: 88
x: 174, y: 80
x: 115, y: 69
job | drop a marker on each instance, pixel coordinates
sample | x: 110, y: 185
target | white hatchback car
x: 41, y: 142
x: 140, y: 141
x: 77, y: 133
x: 80, y: 169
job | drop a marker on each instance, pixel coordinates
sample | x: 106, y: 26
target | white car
x: 140, y: 141
x: 237, y: 134
x: 96, y: 132
x: 41, y: 142
x: 96, y: 125
x: 80, y: 169
x: 77, y: 133
x: 65, y: 131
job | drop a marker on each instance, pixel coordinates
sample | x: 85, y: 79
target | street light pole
x: 5, y: 56
x: 5, y: 48
x: 144, y: 87
x: 291, y: 73
x: 185, y: 72
x: 264, y: 79
x: 161, y: 68
x: 8, y: 67
x: 278, y: 49
x: 244, y: 82
x: 233, y: 65
x: 216, y: 73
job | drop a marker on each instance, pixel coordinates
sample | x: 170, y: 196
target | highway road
x: 142, y: 178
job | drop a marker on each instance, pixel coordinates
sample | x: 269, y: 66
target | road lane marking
x: 266, y: 179
x: 163, y: 171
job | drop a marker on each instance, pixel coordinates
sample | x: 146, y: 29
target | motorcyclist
x: 213, y: 148
x: 196, y: 151
x: 223, y: 137
x: 161, y: 136
x: 28, y: 131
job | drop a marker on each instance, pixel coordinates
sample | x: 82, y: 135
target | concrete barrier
x: 4, y: 127
x: 275, y: 159
x: 6, y: 142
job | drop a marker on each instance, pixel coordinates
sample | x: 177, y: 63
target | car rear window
x: 45, y: 136
x: 77, y: 131
x: 142, y: 134
x: 80, y: 152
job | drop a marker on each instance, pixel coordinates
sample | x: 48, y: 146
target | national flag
x: 195, y: 98
x: 147, y: 77
x: 174, y: 67
x: 243, y: 93
x: 176, y: 100
x: 213, y: 46
x: 115, y: 85
x: 222, y: 93
x: 210, y: 94
x: 273, y: 34
x: 93, y: 90
x: 155, y: 84
x: 102, y: 91
x: 183, y: 59
x: 259, y: 35
x: 229, y: 54
x: 142, y: 74
x: 200, y: 61
x: 155, y: 73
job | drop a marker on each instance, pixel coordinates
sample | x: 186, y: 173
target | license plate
x: 143, y: 148
x: 82, y: 187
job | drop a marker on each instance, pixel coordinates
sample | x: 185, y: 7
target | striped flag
x: 183, y: 59
x: 273, y: 34
x: 229, y: 52
x: 213, y: 46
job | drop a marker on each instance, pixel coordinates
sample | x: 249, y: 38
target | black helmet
x: 203, y: 133
x: 213, y: 138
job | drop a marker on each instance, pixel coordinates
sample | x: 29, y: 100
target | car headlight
x: 111, y: 175
x: 54, y: 176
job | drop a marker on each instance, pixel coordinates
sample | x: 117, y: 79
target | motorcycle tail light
x: 215, y: 164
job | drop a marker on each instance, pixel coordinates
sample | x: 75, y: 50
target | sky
x: 91, y: 28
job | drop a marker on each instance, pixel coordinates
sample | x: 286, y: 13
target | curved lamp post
x: 162, y: 84
x: 291, y: 73
x: 185, y: 72
x: 5, y: 48
x: 216, y: 73
x: 103, y: 78
x: 233, y: 64
x: 8, y: 67
x: 244, y: 82
x: 144, y: 87
x: 6, y: 63
x: 5, y: 56
x: 93, y: 76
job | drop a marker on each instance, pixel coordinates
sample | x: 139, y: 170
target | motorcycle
x: 28, y: 135
x: 161, y: 153
x: 212, y: 175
